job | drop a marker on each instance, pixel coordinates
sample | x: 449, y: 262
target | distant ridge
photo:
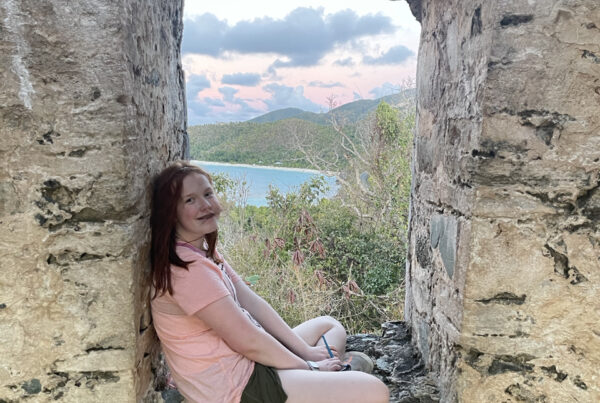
x: 350, y: 112
x: 279, y: 114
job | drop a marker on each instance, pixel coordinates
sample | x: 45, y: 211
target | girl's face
x: 197, y: 209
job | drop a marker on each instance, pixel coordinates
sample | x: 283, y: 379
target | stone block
x: 505, y: 195
x: 92, y: 106
x: 443, y: 232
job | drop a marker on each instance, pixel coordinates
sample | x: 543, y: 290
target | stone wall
x: 503, y: 274
x: 92, y: 104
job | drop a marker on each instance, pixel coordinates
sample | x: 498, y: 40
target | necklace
x: 203, y: 245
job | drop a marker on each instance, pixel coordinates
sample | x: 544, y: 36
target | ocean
x: 258, y: 178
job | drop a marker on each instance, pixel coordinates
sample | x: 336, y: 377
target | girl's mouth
x: 207, y: 216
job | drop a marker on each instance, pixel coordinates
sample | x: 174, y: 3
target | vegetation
x: 257, y: 143
x: 344, y: 256
x: 272, y: 139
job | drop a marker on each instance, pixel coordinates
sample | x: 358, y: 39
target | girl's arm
x: 276, y: 326
x: 230, y: 323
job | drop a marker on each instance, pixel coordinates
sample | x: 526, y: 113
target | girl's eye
x: 208, y: 194
x: 189, y: 200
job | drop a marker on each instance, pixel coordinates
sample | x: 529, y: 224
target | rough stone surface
x: 92, y: 105
x: 503, y: 272
x: 163, y: 390
x: 397, y: 363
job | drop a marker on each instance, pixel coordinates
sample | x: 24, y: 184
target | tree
x: 372, y: 162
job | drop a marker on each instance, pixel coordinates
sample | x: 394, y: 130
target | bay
x: 258, y: 178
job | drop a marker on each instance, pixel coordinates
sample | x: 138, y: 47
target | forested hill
x: 275, y: 138
x: 271, y: 143
x: 351, y: 112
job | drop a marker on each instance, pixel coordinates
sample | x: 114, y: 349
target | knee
x: 379, y: 392
x: 332, y: 322
x: 372, y: 389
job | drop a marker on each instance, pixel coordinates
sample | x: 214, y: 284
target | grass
x: 297, y: 292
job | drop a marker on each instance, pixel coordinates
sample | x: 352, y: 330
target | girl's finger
x: 334, y: 350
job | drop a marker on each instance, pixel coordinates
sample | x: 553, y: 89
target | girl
x: 223, y: 342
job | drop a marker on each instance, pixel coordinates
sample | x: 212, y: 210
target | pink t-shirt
x: 203, y: 366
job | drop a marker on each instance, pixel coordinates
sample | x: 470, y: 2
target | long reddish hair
x: 166, y: 194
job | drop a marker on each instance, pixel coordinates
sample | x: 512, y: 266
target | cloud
x: 204, y: 35
x: 283, y: 96
x: 228, y: 93
x: 214, y: 102
x: 196, y: 83
x: 346, y: 25
x: 302, y: 38
x: 299, y: 36
x: 321, y: 84
x: 356, y: 95
x: 347, y: 62
x: 247, y: 79
x: 386, y: 89
x: 229, y: 108
x: 271, y: 74
x: 395, y: 55
x: 199, y: 113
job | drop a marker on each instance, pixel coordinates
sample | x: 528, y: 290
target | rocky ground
x: 397, y: 364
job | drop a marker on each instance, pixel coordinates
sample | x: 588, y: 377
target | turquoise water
x: 259, y: 178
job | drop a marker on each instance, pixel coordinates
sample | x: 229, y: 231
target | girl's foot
x: 358, y: 361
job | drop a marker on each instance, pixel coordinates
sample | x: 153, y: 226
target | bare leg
x: 312, y: 330
x: 326, y: 387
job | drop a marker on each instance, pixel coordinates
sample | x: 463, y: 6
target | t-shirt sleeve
x: 231, y: 273
x: 197, y: 287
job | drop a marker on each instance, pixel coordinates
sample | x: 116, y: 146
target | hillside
x: 273, y: 138
x: 279, y: 114
x: 271, y: 143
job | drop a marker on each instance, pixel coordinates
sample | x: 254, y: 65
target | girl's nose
x: 203, y: 203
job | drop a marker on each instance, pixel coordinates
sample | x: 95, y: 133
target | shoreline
x: 306, y: 170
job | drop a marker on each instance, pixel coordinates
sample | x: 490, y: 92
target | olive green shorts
x: 264, y: 386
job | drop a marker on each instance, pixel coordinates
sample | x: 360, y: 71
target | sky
x: 245, y: 58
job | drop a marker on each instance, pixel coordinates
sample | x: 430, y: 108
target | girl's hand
x: 318, y: 353
x: 330, y: 364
